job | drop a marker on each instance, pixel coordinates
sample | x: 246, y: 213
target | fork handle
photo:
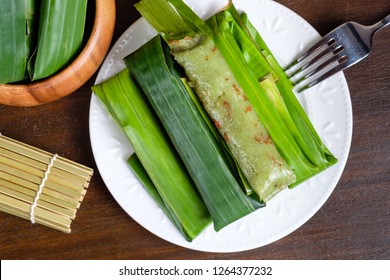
x: 384, y: 22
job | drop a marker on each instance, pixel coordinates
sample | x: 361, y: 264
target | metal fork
x: 341, y: 48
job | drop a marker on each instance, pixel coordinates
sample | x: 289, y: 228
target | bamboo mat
x: 39, y: 186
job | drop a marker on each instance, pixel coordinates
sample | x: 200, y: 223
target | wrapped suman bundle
x: 224, y: 107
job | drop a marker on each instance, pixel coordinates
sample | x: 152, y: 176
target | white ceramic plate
x: 328, y: 106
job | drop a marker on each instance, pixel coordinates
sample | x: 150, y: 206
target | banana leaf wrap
x: 258, y: 79
x: 235, y: 119
x: 132, y: 112
x: 60, y: 36
x: 147, y: 183
x: 286, y: 102
x: 17, y: 28
x: 161, y: 80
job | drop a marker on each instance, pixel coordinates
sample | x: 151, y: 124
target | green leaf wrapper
x: 160, y: 79
x: 60, y: 36
x: 133, y: 114
x: 259, y: 79
x: 16, y: 32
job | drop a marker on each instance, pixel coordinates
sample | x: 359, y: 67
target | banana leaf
x: 132, y: 112
x: 244, y: 56
x: 221, y: 95
x: 60, y: 36
x: 228, y: 105
x: 17, y: 26
x: 145, y: 180
x: 283, y: 96
x: 160, y: 79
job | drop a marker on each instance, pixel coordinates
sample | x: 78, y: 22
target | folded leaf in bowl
x: 60, y: 36
x: 17, y: 26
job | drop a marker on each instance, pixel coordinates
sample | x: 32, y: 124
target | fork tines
x: 319, y: 62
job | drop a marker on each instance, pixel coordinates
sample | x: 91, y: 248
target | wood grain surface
x: 353, y: 224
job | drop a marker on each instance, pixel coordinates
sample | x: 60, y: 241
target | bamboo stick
x: 50, y: 189
x: 35, y: 167
x: 31, y: 194
x: 43, y: 156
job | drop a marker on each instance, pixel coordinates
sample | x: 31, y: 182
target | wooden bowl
x: 74, y: 75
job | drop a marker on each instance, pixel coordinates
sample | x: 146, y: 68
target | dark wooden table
x: 353, y: 224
